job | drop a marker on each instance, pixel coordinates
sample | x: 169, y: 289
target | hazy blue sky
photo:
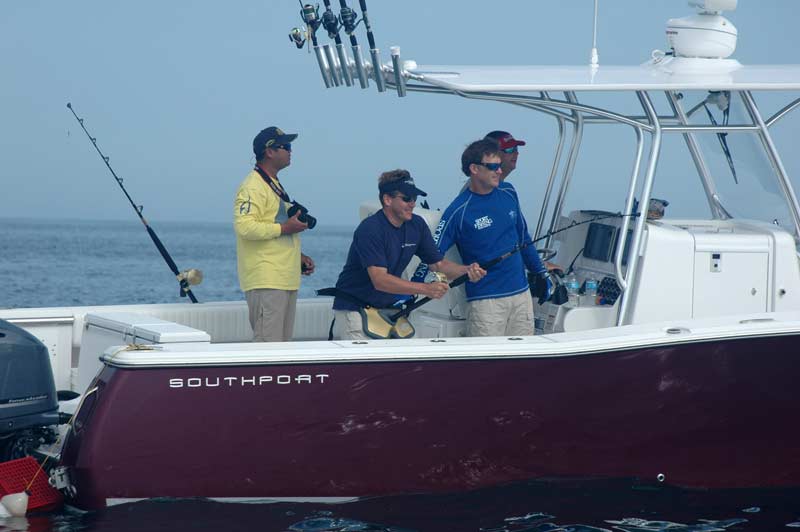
x: 174, y: 91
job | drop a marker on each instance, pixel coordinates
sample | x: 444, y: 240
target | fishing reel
x: 304, y: 216
x: 330, y: 23
x: 310, y: 16
x: 189, y: 278
x: 547, y: 286
x: 349, y: 19
x: 298, y: 37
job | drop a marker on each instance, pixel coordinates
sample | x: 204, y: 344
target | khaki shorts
x: 348, y: 326
x: 271, y: 314
x: 504, y: 316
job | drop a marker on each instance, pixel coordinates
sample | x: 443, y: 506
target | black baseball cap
x: 272, y: 136
x: 404, y: 186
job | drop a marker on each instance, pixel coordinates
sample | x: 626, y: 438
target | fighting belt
x: 375, y: 323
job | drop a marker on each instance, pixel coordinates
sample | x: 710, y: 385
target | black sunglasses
x: 490, y: 166
x: 287, y: 147
x: 407, y: 199
x: 512, y: 149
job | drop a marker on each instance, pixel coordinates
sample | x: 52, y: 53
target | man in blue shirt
x: 383, y: 245
x: 485, y: 221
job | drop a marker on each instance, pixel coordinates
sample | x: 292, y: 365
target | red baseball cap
x: 504, y: 139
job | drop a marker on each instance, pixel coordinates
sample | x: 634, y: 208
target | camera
x: 304, y: 216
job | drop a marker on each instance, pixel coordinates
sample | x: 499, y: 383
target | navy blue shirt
x: 376, y: 242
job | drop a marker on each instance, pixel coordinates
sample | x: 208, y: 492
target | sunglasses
x: 407, y: 199
x: 513, y: 149
x: 494, y: 167
x: 287, y: 147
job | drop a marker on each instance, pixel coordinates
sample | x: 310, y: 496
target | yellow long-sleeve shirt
x: 265, y: 258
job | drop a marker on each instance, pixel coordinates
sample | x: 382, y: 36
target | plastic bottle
x: 573, y: 286
x: 590, y: 290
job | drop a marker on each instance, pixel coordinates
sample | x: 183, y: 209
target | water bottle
x: 590, y: 290
x: 573, y: 286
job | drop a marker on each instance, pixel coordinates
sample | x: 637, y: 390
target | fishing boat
x: 679, y: 370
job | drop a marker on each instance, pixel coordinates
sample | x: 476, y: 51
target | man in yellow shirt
x: 267, y: 240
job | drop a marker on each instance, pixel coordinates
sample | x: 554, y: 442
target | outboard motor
x: 28, y: 399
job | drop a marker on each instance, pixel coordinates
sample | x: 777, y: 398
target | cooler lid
x: 146, y: 328
x: 167, y: 332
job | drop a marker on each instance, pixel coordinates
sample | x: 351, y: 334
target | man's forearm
x: 449, y: 268
x: 392, y: 284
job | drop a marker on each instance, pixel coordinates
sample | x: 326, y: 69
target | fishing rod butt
x: 377, y: 71
x: 323, y: 67
x: 363, y: 79
x: 332, y: 64
x: 399, y: 80
x: 344, y: 64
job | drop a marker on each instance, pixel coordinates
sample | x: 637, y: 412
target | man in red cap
x: 508, y: 151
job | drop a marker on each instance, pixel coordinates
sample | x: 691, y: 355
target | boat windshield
x: 739, y: 172
x: 745, y: 180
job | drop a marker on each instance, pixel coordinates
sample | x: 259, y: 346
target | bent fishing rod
x: 184, y: 278
x: 488, y: 264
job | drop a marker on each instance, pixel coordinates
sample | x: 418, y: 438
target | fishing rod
x: 349, y: 21
x: 486, y: 265
x: 331, y: 24
x: 374, y: 52
x: 310, y: 16
x: 185, y: 278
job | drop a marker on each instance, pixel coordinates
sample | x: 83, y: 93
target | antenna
x: 595, y: 59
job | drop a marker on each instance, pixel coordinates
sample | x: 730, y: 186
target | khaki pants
x: 271, y: 314
x: 348, y: 326
x: 504, y: 316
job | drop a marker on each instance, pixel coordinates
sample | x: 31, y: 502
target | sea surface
x: 47, y: 263
x: 68, y: 262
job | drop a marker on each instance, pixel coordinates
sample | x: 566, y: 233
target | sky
x: 175, y: 91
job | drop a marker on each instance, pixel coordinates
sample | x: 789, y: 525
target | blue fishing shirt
x: 484, y: 227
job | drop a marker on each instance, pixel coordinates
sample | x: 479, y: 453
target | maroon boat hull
x: 715, y: 414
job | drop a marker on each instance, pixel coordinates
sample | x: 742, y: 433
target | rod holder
x: 323, y: 67
x: 344, y: 65
x: 360, y: 72
x: 377, y: 70
x: 397, y: 66
x: 334, y: 70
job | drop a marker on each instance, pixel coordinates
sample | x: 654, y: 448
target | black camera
x: 304, y: 216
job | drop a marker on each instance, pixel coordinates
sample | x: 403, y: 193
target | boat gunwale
x: 558, y: 345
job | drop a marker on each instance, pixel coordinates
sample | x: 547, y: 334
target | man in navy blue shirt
x: 383, y: 245
x: 485, y: 221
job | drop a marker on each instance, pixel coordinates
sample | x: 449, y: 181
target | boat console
x: 687, y: 269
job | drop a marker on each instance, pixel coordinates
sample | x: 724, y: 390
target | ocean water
x: 55, y: 263
x: 47, y: 263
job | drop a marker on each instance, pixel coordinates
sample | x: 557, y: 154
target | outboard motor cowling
x: 28, y: 401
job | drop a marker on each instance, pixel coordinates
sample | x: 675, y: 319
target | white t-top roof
x: 679, y: 74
